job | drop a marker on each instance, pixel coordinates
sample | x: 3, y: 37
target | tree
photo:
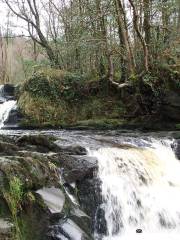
x: 28, y: 11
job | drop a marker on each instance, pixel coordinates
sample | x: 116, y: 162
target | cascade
x: 140, y: 191
x: 5, y: 109
x: 7, y: 105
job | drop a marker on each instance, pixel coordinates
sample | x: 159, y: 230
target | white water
x: 141, y: 190
x: 5, y: 109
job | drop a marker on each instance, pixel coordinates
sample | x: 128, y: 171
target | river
x: 139, y: 175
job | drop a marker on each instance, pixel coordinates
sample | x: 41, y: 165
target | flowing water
x: 140, y: 190
x: 6, y: 106
x: 5, y: 109
x: 140, y: 181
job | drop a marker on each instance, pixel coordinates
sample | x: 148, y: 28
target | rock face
x: 45, y: 171
x: 7, y: 92
x: 53, y: 198
x: 76, y: 168
x: 171, y: 105
x: 177, y: 148
x: 5, y: 229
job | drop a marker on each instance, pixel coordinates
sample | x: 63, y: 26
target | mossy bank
x: 54, y: 98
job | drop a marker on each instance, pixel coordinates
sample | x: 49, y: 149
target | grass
x: 14, y: 198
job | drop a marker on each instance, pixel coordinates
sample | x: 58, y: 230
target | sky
x: 17, y: 25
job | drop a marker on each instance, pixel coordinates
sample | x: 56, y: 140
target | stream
x: 139, y: 178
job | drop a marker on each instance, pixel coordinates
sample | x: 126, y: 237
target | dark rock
x: 177, y: 148
x: 14, y: 117
x: 33, y: 171
x: 7, y: 148
x: 6, y: 229
x: 139, y: 231
x: 35, y: 160
x: 75, y: 168
x: 73, y: 150
x: 67, y: 229
x: 38, y: 143
x: 90, y: 198
x: 8, y: 90
x: 171, y: 105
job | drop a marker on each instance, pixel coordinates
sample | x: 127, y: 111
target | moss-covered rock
x: 55, y: 98
x: 32, y: 164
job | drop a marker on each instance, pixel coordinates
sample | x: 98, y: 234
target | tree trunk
x: 140, y: 36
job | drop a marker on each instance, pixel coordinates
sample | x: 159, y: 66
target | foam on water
x: 140, y: 190
x: 5, y: 109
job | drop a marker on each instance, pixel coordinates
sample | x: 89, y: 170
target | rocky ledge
x: 42, y: 186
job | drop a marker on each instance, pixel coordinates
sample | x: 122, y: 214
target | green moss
x: 100, y: 123
x: 54, y: 98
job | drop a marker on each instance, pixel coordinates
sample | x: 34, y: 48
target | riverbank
x: 52, y: 98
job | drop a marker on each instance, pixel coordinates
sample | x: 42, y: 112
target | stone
x: 41, y: 143
x: 90, y: 199
x: 177, y: 148
x: 67, y: 229
x: 73, y: 149
x: 75, y: 168
x: 53, y: 198
x: 8, y: 90
x: 5, y: 229
x: 171, y: 105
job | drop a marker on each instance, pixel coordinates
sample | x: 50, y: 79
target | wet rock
x: 171, y: 105
x: 5, y: 229
x: 34, y: 172
x: 7, y: 148
x: 39, y: 143
x: 75, y: 168
x: 90, y: 198
x: 72, y: 150
x: 67, y: 229
x: 35, y: 160
x: 14, y: 118
x: 53, y: 198
x: 177, y: 148
x: 8, y: 90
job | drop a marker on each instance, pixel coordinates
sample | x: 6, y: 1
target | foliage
x: 52, y: 97
x: 14, y: 198
x: 54, y: 84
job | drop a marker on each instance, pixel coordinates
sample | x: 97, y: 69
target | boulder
x: 73, y: 149
x: 53, y: 198
x: 39, y: 143
x: 8, y: 90
x: 171, y: 105
x: 90, y: 199
x: 5, y: 229
x: 14, y: 117
x: 7, y: 148
x: 67, y: 229
x: 75, y: 168
x: 48, y: 203
x: 177, y: 148
x: 33, y: 171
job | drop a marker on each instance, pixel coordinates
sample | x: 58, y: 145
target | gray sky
x: 17, y: 24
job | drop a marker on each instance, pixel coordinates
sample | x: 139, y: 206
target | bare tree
x: 28, y: 11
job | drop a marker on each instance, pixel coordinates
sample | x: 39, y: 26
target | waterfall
x: 7, y: 103
x: 5, y: 109
x: 140, y: 190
